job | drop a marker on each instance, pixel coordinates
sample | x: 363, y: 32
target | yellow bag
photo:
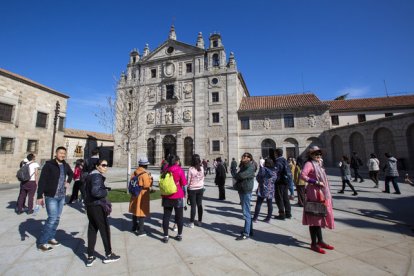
x: 167, y: 184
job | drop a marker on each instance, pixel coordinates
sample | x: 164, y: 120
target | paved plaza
x: 373, y: 236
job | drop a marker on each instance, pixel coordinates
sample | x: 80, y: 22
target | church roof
x: 78, y: 133
x: 395, y: 102
x: 27, y: 81
x: 281, y: 102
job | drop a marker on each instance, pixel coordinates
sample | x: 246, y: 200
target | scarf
x: 321, y: 176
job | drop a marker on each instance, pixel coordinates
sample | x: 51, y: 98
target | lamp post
x: 57, y: 110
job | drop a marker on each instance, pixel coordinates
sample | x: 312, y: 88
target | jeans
x: 245, y: 203
x: 393, y: 179
x: 54, y: 207
x: 259, y: 205
x: 291, y: 188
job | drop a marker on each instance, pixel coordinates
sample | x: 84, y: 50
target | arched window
x: 216, y: 60
x: 336, y: 149
x: 188, y: 150
x: 151, y: 150
x: 268, y: 146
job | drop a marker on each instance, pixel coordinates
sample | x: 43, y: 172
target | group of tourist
x: 275, y: 175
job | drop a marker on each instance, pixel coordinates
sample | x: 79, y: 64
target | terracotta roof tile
x: 398, y: 102
x: 280, y: 102
x: 78, y: 133
x: 27, y: 81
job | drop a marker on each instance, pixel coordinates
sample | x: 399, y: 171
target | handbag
x: 316, y: 208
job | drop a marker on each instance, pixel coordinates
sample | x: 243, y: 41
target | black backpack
x: 23, y: 174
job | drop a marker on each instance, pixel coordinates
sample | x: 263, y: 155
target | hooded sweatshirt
x: 391, y: 167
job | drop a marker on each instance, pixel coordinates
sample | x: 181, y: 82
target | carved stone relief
x: 187, y: 115
x: 169, y: 69
x: 188, y: 89
x: 266, y: 123
x: 150, y: 118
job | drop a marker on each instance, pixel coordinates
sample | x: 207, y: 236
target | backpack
x: 133, y: 185
x: 167, y: 184
x: 23, y: 174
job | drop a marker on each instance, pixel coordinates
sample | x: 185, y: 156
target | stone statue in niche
x: 187, y: 115
x: 169, y: 69
x: 151, y: 93
x: 266, y: 123
x: 150, y: 117
x: 187, y: 89
x: 311, y: 120
x: 168, y: 117
x: 157, y: 117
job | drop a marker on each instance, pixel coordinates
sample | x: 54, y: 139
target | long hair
x: 346, y: 159
x: 248, y: 154
x: 172, y: 159
x: 78, y: 162
x: 196, y: 162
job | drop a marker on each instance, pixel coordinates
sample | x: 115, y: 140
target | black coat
x: 49, y: 178
x: 95, y: 188
x: 220, y: 174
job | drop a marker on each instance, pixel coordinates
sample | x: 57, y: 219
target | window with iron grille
x: 170, y: 91
x: 61, y: 123
x: 41, y: 120
x: 216, y: 117
x: 216, y: 60
x: 245, y: 123
x: 153, y: 73
x: 215, y: 97
x: 32, y: 146
x: 6, y: 111
x: 6, y: 145
x: 216, y: 145
x: 289, y: 121
x: 361, y: 118
x: 189, y: 67
x: 335, y: 120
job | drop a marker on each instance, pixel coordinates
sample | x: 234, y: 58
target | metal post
x: 57, y: 110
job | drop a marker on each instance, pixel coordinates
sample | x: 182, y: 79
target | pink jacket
x: 180, y: 180
x: 195, y: 178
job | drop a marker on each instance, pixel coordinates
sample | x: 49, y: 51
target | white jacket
x: 373, y: 164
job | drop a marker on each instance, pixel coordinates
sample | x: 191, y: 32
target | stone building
x: 191, y: 99
x: 27, y: 112
x: 80, y: 144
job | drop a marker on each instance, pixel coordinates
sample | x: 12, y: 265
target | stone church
x: 189, y: 99
x: 184, y: 99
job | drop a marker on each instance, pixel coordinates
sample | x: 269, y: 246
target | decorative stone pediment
x: 172, y: 48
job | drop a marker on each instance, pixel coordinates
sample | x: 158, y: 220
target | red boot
x: 326, y: 246
x: 316, y: 248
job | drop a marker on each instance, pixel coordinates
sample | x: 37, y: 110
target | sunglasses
x: 104, y: 165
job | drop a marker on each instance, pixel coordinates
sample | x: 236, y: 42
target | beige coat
x: 140, y: 205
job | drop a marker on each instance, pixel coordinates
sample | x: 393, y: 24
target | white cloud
x: 354, y: 92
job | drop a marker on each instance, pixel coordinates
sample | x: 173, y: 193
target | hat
x: 314, y: 149
x: 143, y: 162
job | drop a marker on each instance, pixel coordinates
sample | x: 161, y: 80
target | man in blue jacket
x: 54, y: 180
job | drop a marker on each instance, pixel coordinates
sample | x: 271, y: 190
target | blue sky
x: 80, y: 47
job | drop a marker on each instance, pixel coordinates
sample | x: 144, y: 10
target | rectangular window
x: 170, y: 92
x: 41, y: 119
x: 216, y: 145
x: 245, y: 123
x: 129, y: 106
x: 216, y: 117
x: 32, y: 146
x: 61, y: 125
x: 153, y: 73
x: 189, y: 67
x: 215, y: 97
x: 389, y: 114
x: 6, y: 111
x: 289, y: 121
x: 335, y: 120
x: 6, y: 145
x: 361, y: 118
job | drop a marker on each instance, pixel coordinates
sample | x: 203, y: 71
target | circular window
x: 170, y: 50
x: 214, y: 81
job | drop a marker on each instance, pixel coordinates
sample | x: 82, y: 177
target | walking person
x: 391, y: 174
x: 139, y: 206
x: 28, y: 188
x: 209, y: 166
x: 98, y: 209
x: 374, y: 166
x: 266, y: 177
x: 176, y: 200
x: 78, y: 185
x: 282, y: 185
x: 226, y: 165
x: 195, y: 188
x: 220, y: 178
x: 299, y: 182
x: 346, y: 175
x: 233, y: 167
x: 244, y: 186
x: 356, y: 163
x: 54, y: 179
x: 318, y: 187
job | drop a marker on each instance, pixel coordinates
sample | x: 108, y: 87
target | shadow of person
x: 151, y: 224
x: 224, y: 211
x: 30, y: 226
x: 12, y: 205
x: 77, y: 206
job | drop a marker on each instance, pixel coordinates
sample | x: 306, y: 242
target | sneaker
x: 141, y: 234
x: 376, y: 186
x: 198, y: 223
x: 90, y: 261
x: 111, y: 258
x: 266, y: 220
x: 280, y: 217
x: 242, y: 237
x: 254, y: 220
x: 362, y: 180
x: 288, y: 216
x: 44, y: 248
x: 165, y: 239
x: 179, y: 238
x: 54, y: 242
x: 175, y: 228
x: 355, y: 194
x: 325, y: 245
x: 30, y: 212
x: 190, y: 225
x: 340, y: 192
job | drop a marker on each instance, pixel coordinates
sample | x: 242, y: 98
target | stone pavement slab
x: 364, y: 242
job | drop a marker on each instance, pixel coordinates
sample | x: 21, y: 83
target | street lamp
x: 57, y: 110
